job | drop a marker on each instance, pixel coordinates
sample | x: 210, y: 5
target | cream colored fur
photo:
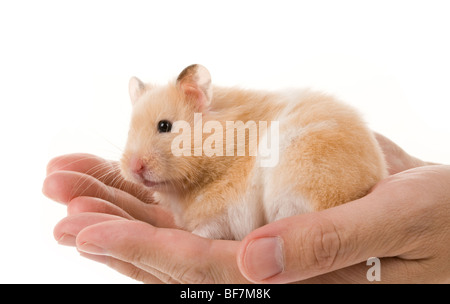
x: 327, y: 155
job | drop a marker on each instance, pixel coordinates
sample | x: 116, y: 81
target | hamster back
x: 226, y: 161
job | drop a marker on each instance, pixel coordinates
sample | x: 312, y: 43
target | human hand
x: 404, y: 221
x: 152, y: 254
x: 396, y: 158
x: 111, y: 221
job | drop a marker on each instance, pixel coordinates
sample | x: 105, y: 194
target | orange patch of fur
x: 333, y: 160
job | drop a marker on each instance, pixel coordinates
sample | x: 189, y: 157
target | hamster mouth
x: 148, y: 180
x: 152, y: 184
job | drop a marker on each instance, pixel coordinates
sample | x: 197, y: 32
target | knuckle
x: 165, y: 278
x: 136, y: 274
x: 194, y: 274
x: 325, y: 244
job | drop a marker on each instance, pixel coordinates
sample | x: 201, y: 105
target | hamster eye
x: 164, y: 126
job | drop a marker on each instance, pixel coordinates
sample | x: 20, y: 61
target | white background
x: 65, y: 65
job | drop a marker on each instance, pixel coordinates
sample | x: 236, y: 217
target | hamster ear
x: 195, y: 82
x: 135, y: 88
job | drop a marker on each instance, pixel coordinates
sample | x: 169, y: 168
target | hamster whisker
x: 91, y: 172
x: 75, y: 161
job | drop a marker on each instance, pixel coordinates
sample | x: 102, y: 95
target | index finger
x: 106, y: 171
x: 181, y: 255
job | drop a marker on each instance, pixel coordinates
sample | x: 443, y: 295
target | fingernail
x: 91, y: 248
x: 264, y: 258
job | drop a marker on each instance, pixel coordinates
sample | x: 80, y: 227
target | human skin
x: 404, y: 220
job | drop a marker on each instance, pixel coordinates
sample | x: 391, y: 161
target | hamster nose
x: 137, y: 165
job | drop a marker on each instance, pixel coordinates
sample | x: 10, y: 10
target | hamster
x: 195, y: 145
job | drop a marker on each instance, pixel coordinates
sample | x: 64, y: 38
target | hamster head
x: 156, y: 115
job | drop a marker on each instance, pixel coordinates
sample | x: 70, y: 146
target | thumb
x: 290, y: 249
x: 308, y: 245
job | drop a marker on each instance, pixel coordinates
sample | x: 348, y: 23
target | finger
x: 106, y: 171
x: 180, y: 255
x: 396, y: 158
x: 392, y: 268
x: 307, y: 245
x: 72, y: 225
x: 137, y: 271
x: 80, y: 162
x: 124, y: 268
x: 64, y: 186
x: 83, y: 204
x: 385, y: 270
x: 67, y: 229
